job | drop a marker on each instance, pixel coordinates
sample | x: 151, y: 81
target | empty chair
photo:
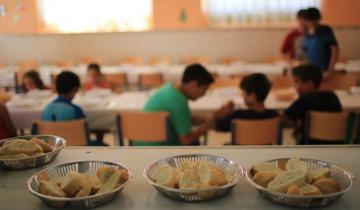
x: 159, y: 60
x: 282, y: 82
x: 256, y: 132
x: 329, y: 127
x: 92, y: 59
x: 150, y: 80
x: 339, y: 81
x: 230, y: 60
x: 117, y: 80
x: 148, y: 127
x: 76, y: 132
x: 197, y: 59
x: 132, y: 60
x: 226, y: 82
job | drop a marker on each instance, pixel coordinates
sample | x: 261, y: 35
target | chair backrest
x: 256, y: 132
x: 230, y: 60
x: 159, y: 60
x: 117, y: 79
x: 328, y: 126
x: 282, y: 82
x: 132, y: 60
x: 151, y: 80
x: 339, y: 81
x: 75, y: 132
x: 226, y: 82
x: 196, y: 59
x: 143, y: 126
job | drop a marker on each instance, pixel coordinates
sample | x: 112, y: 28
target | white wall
x: 250, y: 44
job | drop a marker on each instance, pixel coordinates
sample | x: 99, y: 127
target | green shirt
x: 172, y: 101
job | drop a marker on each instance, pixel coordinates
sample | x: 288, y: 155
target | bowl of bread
x: 300, y: 182
x: 193, y: 177
x: 80, y: 184
x: 29, y: 151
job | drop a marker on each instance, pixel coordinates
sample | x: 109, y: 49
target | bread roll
x: 46, y: 147
x: 21, y: 147
x: 111, y: 183
x: 166, y: 176
x: 327, y: 185
x: 189, y: 180
x: 13, y: 156
x: 287, y: 178
x: 293, y: 190
x: 124, y: 175
x: 72, y: 184
x: 319, y: 173
x: 104, y: 173
x: 210, y: 174
x: 263, y: 178
x: 51, y: 189
x: 308, y: 189
x: 59, y: 180
x: 85, y: 189
x: 265, y: 167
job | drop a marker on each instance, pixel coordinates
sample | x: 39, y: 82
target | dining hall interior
x: 195, y: 97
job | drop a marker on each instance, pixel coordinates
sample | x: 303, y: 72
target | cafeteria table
x: 141, y: 196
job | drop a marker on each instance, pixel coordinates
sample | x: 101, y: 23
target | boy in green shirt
x: 174, y: 100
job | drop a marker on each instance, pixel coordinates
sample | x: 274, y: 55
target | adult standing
x: 320, y: 43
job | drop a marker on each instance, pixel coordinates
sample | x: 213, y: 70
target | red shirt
x: 289, y: 44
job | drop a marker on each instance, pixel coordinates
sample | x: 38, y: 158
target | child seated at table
x: 308, y: 80
x: 32, y: 81
x: 62, y: 109
x: 95, y: 78
x: 255, y: 89
x: 7, y: 128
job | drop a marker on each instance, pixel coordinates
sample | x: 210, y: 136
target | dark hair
x: 308, y: 73
x: 34, y: 76
x: 313, y: 14
x: 67, y: 81
x: 301, y: 14
x: 256, y: 83
x: 95, y: 67
x: 198, y: 73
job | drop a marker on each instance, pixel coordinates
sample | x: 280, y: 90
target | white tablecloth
x: 101, y: 112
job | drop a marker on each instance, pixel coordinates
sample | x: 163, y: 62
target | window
x: 84, y: 16
x: 227, y: 13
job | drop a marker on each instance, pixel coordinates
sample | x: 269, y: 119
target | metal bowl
x: 56, y: 142
x: 227, y: 166
x: 342, y: 176
x: 87, y: 202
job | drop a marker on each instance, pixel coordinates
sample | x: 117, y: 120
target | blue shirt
x: 318, y: 46
x: 62, y: 109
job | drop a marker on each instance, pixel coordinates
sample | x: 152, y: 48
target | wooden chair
x: 230, y: 60
x: 282, y: 82
x: 226, y: 82
x: 340, y: 81
x: 117, y: 80
x: 256, y: 132
x: 92, y: 59
x: 76, y: 132
x: 196, y: 59
x: 132, y: 60
x: 150, y: 80
x: 159, y: 60
x: 144, y: 126
x: 329, y: 126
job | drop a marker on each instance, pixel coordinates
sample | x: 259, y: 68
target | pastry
x: 319, y: 173
x: 327, y: 185
x: 51, y: 189
x: 210, y: 174
x: 46, y: 147
x: 293, y: 190
x: 111, y: 183
x: 263, y: 178
x: 308, y: 189
x: 166, y: 176
x: 287, y: 178
x: 189, y: 180
x: 265, y: 167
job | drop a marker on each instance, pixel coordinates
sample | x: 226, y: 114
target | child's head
x: 32, y: 81
x: 196, y: 80
x: 300, y: 17
x: 67, y: 84
x: 307, y: 78
x: 256, y: 88
x: 94, y: 71
x: 312, y: 17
